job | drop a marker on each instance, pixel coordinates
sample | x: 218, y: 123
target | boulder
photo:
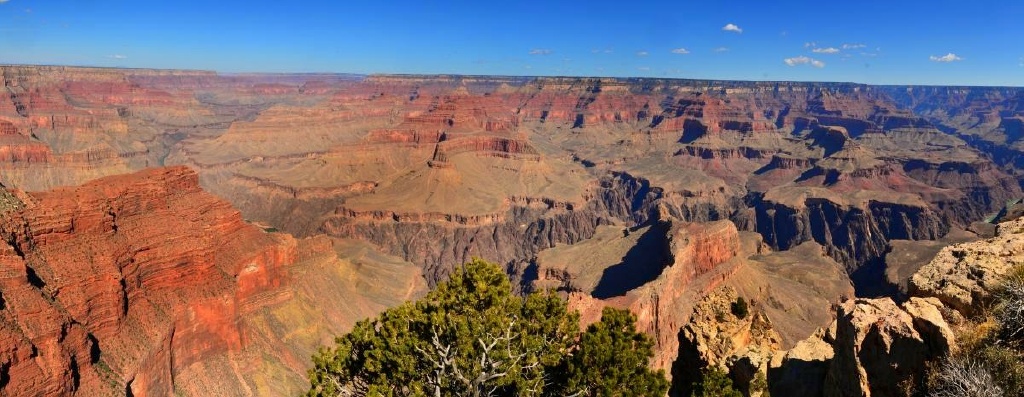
x: 964, y: 276
x: 801, y: 370
x: 881, y: 349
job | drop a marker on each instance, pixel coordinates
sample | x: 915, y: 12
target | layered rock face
x: 702, y: 258
x: 646, y: 194
x: 489, y: 162
x: 681, y: 278
x: 146, y: 285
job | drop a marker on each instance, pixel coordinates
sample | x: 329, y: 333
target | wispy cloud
x: 3, y: 1
x: 810, y: 44
x: 829, y: 50
x: 681, y: 51
x: 721, y: 49
x: 802, y: 60
x: 852, y: 46
x: 732, y: 28
x: 951, y: 57
x: 540, y: 51
x: 641, y: 53
x: 1020, y: 62
x: 643, y: 68
x: 117, y: 56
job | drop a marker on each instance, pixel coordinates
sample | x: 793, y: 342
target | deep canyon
x: 171, y: 231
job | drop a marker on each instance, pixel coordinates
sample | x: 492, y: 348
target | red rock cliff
x: 116, y: 284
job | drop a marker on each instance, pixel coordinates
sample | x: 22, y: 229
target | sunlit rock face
x: 648, y: 194
x: 145, y: 283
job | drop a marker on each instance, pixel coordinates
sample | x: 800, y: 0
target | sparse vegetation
x: 1010, y: 308
x: 715, y: 383
x: 990, y: 358
x: 760, y: 384
x: 471, y: 336
x: 965, y: 377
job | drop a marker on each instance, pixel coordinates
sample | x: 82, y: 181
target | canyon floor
x: 187, y: 232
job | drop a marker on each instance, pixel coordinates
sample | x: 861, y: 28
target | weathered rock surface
x: 964, y: 276
x: 539, y: 174
x: 881, y: 349
x: 801, y: 371
x: 718, y: 337
x: 473, y: 160
x: 703, y: 256
x: 661, y: 272
x: 144, y: 284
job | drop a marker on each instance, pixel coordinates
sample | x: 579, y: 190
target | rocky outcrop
x: 718, y: 335
x: 146, y: 285
x: 700, y: 247
x: 484, y: 145
x: 964, y: 276
x: 881, y: 349
x: 801, y: 371
x: 90, y: 280
x: 701, y: 257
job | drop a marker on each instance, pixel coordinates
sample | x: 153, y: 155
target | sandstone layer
x: 505, y: 167
x: 647, y: 194
x: 143, y: 284
x: 964, y: 276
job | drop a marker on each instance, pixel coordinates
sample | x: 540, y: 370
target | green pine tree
x: 471, y: 336
x: 715, y: 383
x: 612, y: 359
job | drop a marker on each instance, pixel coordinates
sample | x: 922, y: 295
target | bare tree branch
x: 966, y: 378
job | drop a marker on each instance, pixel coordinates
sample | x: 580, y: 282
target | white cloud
x: 1020, y: 62
x: 641, y: 53
x: 829, y: 50
x: 117, y: 56
x: 802, y: 60
x: 3, y: 1
x: 540, y: 51
x: 732, y: 28
x: 643, y: 68
x: 680, y: 51
x: 951, y: 57
x: 853, y: 46
x: 721, y: 49
x: 810, y: 44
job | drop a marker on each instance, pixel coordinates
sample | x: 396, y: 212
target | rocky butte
x: 188, y: 232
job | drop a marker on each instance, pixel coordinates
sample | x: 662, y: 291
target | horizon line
x: 335, y: 73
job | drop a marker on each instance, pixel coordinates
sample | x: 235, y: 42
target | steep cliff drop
x: 143, y: 284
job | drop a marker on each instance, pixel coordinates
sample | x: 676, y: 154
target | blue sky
x: 979, y: 42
